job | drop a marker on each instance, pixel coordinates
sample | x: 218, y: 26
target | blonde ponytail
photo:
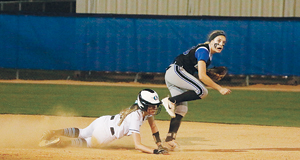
x: 125, y: 112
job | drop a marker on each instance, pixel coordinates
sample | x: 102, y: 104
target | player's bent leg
x: 186, y: 96
x: 68, y: 132
x: 174, y: 126
x: 102, y: 135
x: 78, y: 142
x: 180, y: 111
x: 182, y: 108
x: 170, y: 142
x: 177, y: 78
x: 204, y: 93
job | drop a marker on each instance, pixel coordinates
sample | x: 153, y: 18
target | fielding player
x: 184, y: 87
x: 105, y: 129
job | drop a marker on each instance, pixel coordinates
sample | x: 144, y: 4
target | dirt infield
x: 20, y: 136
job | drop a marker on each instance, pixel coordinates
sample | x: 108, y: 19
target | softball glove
x: 217, y: 73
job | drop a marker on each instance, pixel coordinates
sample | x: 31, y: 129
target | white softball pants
x: 99, y: 129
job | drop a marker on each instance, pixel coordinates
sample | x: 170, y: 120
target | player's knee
x: 182, y: 109
x: 204, y: 93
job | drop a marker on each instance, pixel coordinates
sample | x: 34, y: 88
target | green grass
x: 240, y: 107
x: 249, y: 107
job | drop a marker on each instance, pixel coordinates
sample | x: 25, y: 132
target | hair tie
x: 216, y: 34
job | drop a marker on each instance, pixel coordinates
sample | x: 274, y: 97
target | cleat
x: 47, y: 135
x: 169, y: 106
x: 171, y: 145
x: 49, y: 143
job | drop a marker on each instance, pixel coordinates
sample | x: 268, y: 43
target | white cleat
x: 47, y: 135
x: 49, y: 143
x: 169, y: 106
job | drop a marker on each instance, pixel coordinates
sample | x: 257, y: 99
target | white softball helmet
x: 147, y: 97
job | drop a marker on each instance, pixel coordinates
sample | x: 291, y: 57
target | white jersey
x: 131, y: 124
x: 105, y: 128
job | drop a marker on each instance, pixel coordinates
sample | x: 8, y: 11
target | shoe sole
x: 166, y: 105
x: 49, y: 143
x: 47, y: 135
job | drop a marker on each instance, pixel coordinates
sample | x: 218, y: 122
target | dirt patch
x: 20, y: 136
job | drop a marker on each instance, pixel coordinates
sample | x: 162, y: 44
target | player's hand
x: 160, y: 147
x: 225, y: 91
x: 161, y: 150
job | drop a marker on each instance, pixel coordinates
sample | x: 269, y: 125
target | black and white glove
x: 160, y: 147
x: 160, y: 151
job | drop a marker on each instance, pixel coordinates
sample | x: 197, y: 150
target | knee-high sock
x: 79, y: 142
x: 69, y: 132
x: 174, y: 126
x: 186, y: 96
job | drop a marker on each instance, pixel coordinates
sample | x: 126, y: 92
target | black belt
x: 168, y: 67
x: 112, y: 130
x: 112, y: 117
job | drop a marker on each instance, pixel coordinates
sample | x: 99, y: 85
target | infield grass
x: 240, y: 107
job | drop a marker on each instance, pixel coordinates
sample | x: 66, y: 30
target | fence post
x: 247, y: 80
x: 136, y: 77
x: 17, y: 74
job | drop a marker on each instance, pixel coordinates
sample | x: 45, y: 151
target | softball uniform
x: 105, y: 129
x: 180, y: 77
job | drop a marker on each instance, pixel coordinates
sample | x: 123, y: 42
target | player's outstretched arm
x: 139, y: 146
x: 155, y: 131
x: 208, y: 81
x: 156, y: 136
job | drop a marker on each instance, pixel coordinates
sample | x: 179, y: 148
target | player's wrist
x: 155, y: 151
x: 218, y: 87
x: 156, y: 137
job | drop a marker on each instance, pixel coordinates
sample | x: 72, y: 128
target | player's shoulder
x: 137, y: 114
x: 203, y: 46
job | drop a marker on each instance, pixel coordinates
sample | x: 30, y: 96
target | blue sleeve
x: 202, y: 54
